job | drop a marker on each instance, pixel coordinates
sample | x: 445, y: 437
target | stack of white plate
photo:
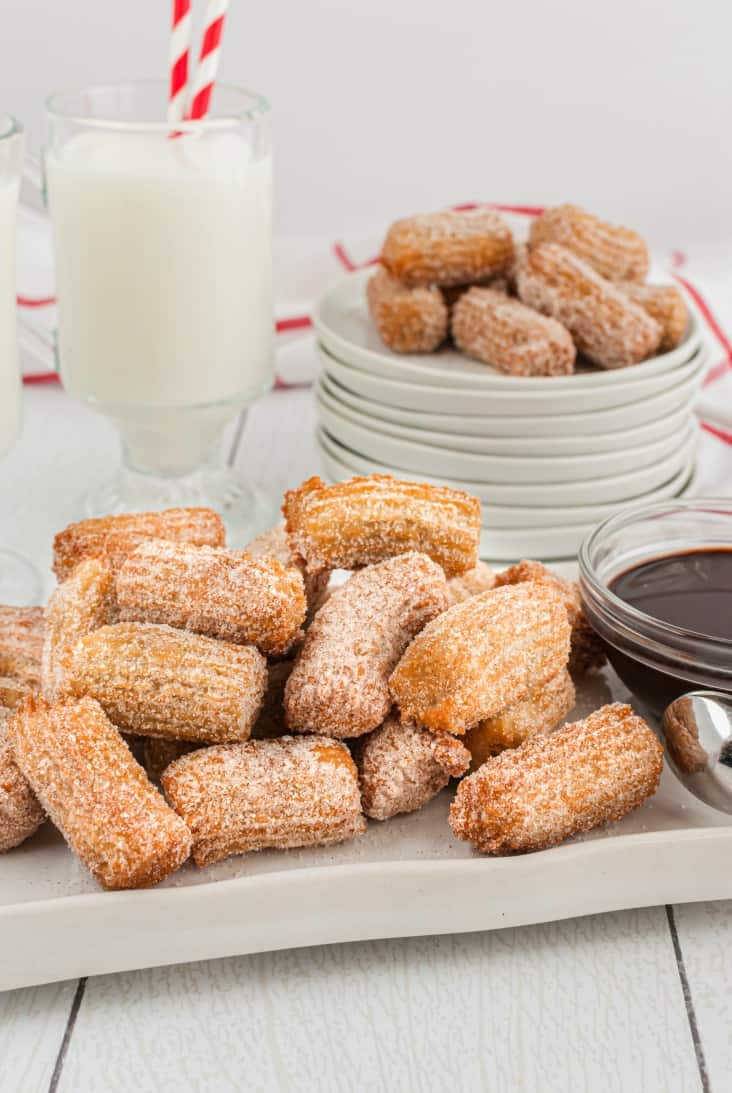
x: 548, y: 457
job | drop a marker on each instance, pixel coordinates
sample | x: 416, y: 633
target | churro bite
x: 84, y: 602
x: 402, y: 767
x: 157, y: 681
x: 90, y: 538
x: 509, y: 336
x: 294, y: 791
x: 88, y: 782
x: 619, y: 254
x: 448, y: 248
x: 20, y: 813
x: 553, y: 787
x: 339, y: 685
x: 157, y: 754
x: 542, y: 711
x: 481, y: 656
x: 366, y: 520
x: 606, y: 325
x: 666, y: 305
x: 479, y: 579
x: 409, y: 320
x: 213, y: 591
x: 22, y: 631
x: 275, y: 543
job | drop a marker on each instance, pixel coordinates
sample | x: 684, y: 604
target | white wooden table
x: 633, y: 1002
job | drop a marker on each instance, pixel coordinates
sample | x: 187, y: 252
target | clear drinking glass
x: 162, y: 242
x: 19, y: 582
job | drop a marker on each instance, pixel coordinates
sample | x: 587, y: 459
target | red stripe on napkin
x: 35, y: 301
x: 720, y: 434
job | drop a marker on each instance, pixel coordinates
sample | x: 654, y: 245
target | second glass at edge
x: 162, y: 241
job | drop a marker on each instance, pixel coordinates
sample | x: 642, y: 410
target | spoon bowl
x: 697, y: 728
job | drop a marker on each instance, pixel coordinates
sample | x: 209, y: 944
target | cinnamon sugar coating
x: 506, y: 334
x: 587, y: 652
x: 88, y: 538
x: 84, y: 602
x: 553, y: 787
x: 409, y: 320
x: 666, y: 305
x: 479, y: 579
x: 293, y: 791
x: 542, y: 711
x: 481, y: 656
x: 156, y: 681
x: 402, y: 767
x: 21, y: 643
x: 20, y: 813
x: 213, y: 591
x: 88, y: 782
x: 275, y: 543
x: 448, y: 247
x: 619, y: 254
x: 340, y: 683
x: 608, y: 327
x: 366, y: 520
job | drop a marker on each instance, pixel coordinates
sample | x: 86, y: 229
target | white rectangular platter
x: 405, y: 877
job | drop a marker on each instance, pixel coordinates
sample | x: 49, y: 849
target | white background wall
x: 388, y: 106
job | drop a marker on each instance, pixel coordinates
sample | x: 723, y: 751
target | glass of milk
x: 162, y: 241
x: 19, y: 583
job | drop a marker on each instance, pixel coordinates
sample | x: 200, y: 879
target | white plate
x: 341, y: 463
x: 546, y: 399
x: 344, y: 326
x: 406, y: 877
x: 634, y: 415
x: 425, y: 458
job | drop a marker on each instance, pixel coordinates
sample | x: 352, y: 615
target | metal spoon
x: 698, y: 732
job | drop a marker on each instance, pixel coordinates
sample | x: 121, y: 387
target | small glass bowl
x: 656, y: 660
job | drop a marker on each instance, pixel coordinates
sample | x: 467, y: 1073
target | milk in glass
x: 9, y: 370
x: 163, y: 265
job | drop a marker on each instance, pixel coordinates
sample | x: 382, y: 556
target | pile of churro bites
x: 578, y: 287
x: 177, y: 697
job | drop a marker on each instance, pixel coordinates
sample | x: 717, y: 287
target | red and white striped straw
x: 180, y: 48
x: 208, y: 62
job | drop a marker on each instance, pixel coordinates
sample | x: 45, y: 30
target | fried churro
x: 157, y: 754
x: 666, y: 305
x: 20, y: 813
x: 409, y: 320
x: 448, y: 248
x: 275, y: 543
x: 619, y: 254
x: 84, y: 602
x: 479, y: 579
x: 22, y: 632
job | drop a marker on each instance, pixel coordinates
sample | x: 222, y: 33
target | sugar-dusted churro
x: 275, y: 543
x: 213, y: 591
x: 542, y: 711
x: 409, y: 320
x: 619, y: 254
x: 88, y: 539
x: 158, y: 754
x: 366, y: 520
x: 21, y: 643
x: 479, y: 579
x: 587, y: 652
x: 448, y: 248
x: 20, y: 813
x: 608, y: 327
x: 156, y: 681
x: 339, y: 685
x: 552, y: 787
x: 84, y: 602
x: 481, y: 656
x: 88, y: 782
x: 666, y: 305
x: 402, y: 767
x: 266, y: 793
x: 13, y: 692
x: 509, y: 336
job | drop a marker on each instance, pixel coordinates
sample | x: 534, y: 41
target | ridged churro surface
x: 156, y: 681
x: 409, y: 320
x: 366, y: 520
x: 481, y: 656
x: 479, y: 579
x: 340, y: 683
x: 402, y: 767
x: 88, y: 782
x: 666, y: 305
x: 22, y: 631
x: 213, y: 591
x: 552, y: 787
x: 448, y: 248
x: 275, y: 543
x: 609, y: 328
x: 294, y: 791
x: 509, y: 336
x: 88, y: 538
x: 84, y: 602
x: 619, y: 254
x: 20, y: 813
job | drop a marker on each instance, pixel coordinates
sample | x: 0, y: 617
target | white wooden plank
x: 592, y: 1004
x: 705, y: 939
x: 32, y: 1025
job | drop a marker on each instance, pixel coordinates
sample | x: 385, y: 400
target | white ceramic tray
x: 406, y: 877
